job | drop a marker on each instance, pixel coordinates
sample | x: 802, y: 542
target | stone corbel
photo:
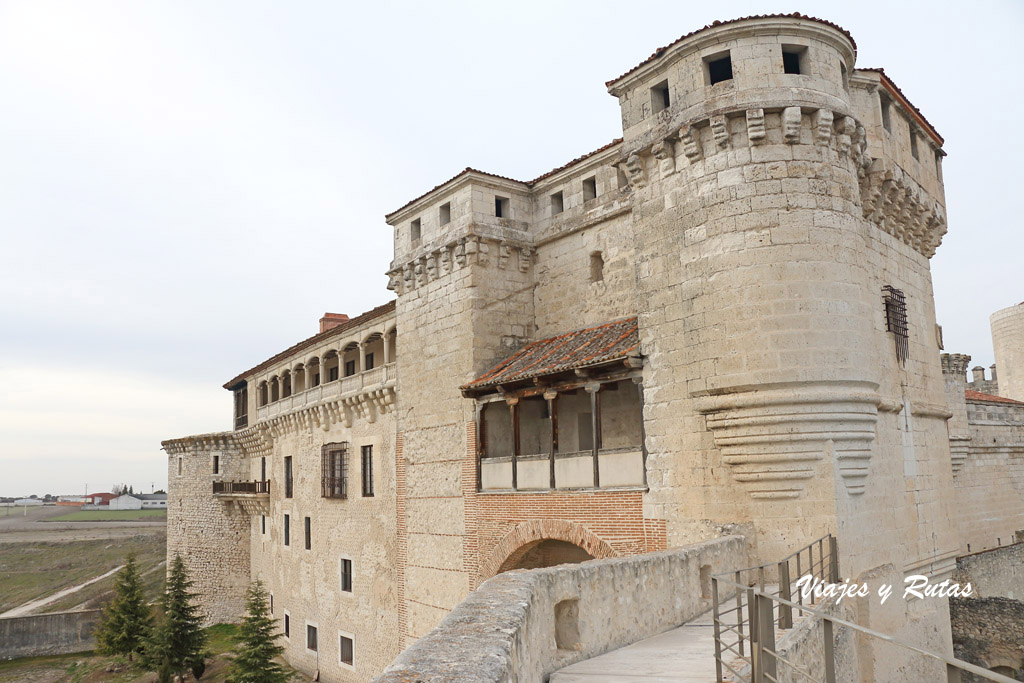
x: 525, y: 256
x: 635, y: 171
x: 821, y: 122
x: 772, y: 439
x: 408, y: 276
x: 431, y: 260
x: 689, y: 137
x: 394, y: 281
x: 665, y: 153
x: 847, y: 129
x: 446, y: 260
x: 791, y: 119
x: 720, y: 131
x: 504, y: 254
x: 756, y: 131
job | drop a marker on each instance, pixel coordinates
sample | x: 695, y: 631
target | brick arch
x: 528, y: 534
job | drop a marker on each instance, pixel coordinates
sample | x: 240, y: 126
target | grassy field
x: 87, y: 667
x: 29, y: 571
x: 109, y: 516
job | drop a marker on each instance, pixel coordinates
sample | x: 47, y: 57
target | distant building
x: 28, y: 501
x: 139, y: 501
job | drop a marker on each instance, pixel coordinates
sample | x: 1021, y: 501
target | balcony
x: 618, y: 467
x: 345, y: 387
x: 244, y: 497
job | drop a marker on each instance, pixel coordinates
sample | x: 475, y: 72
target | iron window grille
x: 334, y: 470
x: 896, y: 321
x: 367, y: 457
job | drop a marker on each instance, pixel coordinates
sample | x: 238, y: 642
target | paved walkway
x: 685, y: 654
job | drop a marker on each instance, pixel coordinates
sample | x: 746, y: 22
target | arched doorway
x: 544, y: 543
x: 545, y: 553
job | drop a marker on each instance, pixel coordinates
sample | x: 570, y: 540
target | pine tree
x: 254, y: 662
x: 127, y: 620
x: 178, y: 641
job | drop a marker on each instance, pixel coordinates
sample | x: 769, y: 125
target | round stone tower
x: 785, y: 292
x: 1008, y: 343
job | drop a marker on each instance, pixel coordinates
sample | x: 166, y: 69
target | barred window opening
x: 896, y: 321
x: 334, y: 470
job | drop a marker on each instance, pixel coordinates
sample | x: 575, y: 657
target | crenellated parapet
x: 478, y: 249
x: 955, y: 364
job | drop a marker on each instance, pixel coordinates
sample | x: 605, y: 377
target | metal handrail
x: 824, y: 567
x: 765, y: 658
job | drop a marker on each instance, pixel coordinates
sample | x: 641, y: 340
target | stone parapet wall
x: 48, y: 634
x: 989, y: 632
x: 523, y: 625
x: 996, y: 573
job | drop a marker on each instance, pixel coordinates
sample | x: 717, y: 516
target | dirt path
x: 42, y: 602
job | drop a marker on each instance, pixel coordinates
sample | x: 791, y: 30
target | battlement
x: 955, y: 364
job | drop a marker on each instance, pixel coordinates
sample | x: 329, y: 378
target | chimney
x: 332, y: 320
x: 979, y: 373
x: 993, y: 368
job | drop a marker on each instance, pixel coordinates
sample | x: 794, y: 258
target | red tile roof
x: 592, y: 346
x: 989, y: 398
x: 360, y: 319
x: 528, y: 183
x: 795, y: 15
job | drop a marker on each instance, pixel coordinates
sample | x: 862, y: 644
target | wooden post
x: 718, y: 631
x: 767, y: 669
x: 785, y: 611
x: 829, y: 652
x: 513, y: 405
x: 739, y: 612
x: 595, y: 429
x: 833, y: 552
x: 552, y: 399
x: 755, y: 652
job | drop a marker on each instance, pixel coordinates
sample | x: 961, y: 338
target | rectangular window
x: 216, y: 464
x: 263, y: 524
x: 332, y: 374
x: 316, y: 379
x: 501, y: 207
x: 179, y: 465
x: 309, y: 535
x: 414, y: 230
x: 334, y: 471
x: 718, y: 68
x: 896, y: 321
x: 886, y: 113
x: 350, y: 368
x: 263, y: 468
x: 346, y: 650
x: 311, y: 637
x: 287, y: 626
x: 660, y: 97
x: 271, y: 603
x: 367, y: 453
x: 288, y: 476
x: 444, y: 214
x: 913, y: 144
x: 346, y: 575
x: 589, y: 188
x: 242, y: 407
x: 793, y: 59
x: 369, y: 362
x: 557, y: 203
x: 287, y: 530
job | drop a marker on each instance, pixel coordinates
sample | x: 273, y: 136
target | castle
x: 721, y: 322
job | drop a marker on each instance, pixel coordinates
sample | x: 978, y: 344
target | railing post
x: 833, y: 553
x: 755, y: 652
x: 765, y: 640
x: 952, y: 674
x: 717, y: 629
x: 829, y: 651
x: 785, y: 611
x: 739, y: 612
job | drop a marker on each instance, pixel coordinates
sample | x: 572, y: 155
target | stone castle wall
x: 211, y: 537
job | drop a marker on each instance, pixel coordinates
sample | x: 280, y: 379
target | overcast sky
x: 187, y: 186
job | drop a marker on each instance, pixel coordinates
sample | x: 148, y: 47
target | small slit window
x: 596, y: 266
x: 886, y: 113
x: 309, y: 534
x: 845, y: 75
x: 794, y: 59
x: 501, y: 207
x: 913, y: 144
x: 589, y: 188
x: 621, y: 177
x: 718, y: 68
x: 444, y: 214
x: 346, y: 575
x: 414, y: 230
x: 216, y: 464
x: 557, y: 203
x: 660, y: 99
x: 938, y: 164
